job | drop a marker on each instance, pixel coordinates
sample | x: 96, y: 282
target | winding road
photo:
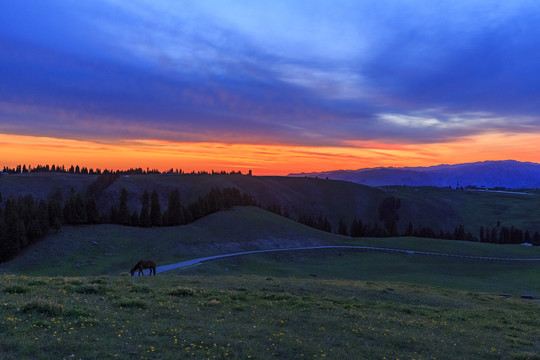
x: 194, y: 262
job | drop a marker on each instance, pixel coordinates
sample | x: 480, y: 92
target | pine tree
x: 134, y: 219
x: 342, y: 228
x: 481, y: 234
x: 144, y: 216
x: 69, y: 207
x: 357, y: 228
x: 4, y: 249
x: 54, y: 209
x: 215, y: 201
x: 174, y: 214
x: 92, y: 212
x: 410, y: 230
x: 155, y: 209
x: 33, y: 230
x: 527, y: 237
x: 536, y: 238
x: 124, y: 216
x: 389, y: 214
x: 15, y: 231
x: 76, y: 209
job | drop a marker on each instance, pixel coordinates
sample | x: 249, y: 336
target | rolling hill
x: 94, y: 250
x: 441, y: 209
x: 110, y: 249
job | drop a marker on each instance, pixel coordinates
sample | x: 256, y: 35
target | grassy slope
x: 479, y: 276
x: 256, y: 317
x: 335, y: 199
x: 433, y: 207
x: 72, y: 252
x: 269, y: 305
x: 448, y: 208
x: 41, y: 185
x: 111, y: 249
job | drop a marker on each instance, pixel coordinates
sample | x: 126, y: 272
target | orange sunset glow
x: 262, y: 159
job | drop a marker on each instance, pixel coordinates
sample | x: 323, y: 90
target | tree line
x: 24, y: 220
x: 387, y: 226
x: 176, y: 213
x: 76, y: 169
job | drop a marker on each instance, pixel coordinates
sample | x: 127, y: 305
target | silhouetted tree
x: 195, y: 209
x: 357, y: 228
x: 43, y: 217
x: 527, y: 237
x: 536, y: 238
x: 410, y: 230
x: 155, y: 209
x: 274, y: 208
x: 494, y: 235
x: 4, y: 246
x: 134, y: 219
x: 174, y: 214
x: 144, y: 217
x: 482, y: 236
x: 124, y: 216
x: 342, y: 228
x: 75, y: 209
x: 15, y: 232
x: 389, y: 215
x: 459, y: 233
x: 54, y: 209
x: 214, y: 201
x: 92, y: 213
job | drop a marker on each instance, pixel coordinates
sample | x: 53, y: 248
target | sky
x: 275, y: 86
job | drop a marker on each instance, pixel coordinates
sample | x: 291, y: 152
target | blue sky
x: 309, y: 73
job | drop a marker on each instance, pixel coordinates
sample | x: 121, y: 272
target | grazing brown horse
x: 144, y: 264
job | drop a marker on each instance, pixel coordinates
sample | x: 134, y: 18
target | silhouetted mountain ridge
x: 506, y: 173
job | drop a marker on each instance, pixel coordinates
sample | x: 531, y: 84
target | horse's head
x: 132, y: 271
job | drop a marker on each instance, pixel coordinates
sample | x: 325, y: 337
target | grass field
x: 69, y: 296
x: 113, y: 250
x: 447, y: 208
x: 515, y: 278
x: 255, y: 317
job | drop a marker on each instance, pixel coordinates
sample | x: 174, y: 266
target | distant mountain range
x: 508, y: 173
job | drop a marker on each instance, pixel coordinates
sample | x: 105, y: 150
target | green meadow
x: 447, y: 208
x: 70, y: 296
x: 496, y: 277
x: 257, y: 317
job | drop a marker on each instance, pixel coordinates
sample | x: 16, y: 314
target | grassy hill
x: 445, y: 208
x: 297, y: 196
x: 79, y: 301
x: 437, y: 208
x: 112, y: 250
x: 41, y: 185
